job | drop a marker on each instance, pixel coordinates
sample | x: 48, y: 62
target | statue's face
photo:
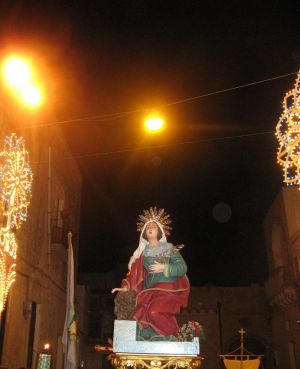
x: 152, y: 230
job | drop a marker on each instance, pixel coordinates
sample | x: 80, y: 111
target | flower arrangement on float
x: 189, y: 330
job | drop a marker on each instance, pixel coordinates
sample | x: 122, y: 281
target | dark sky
x: 213, y: 176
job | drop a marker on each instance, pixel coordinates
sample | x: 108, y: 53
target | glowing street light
x: 154, y: 122
x: 18, y: 75
x: 31, y: 95
x: 16, y: 72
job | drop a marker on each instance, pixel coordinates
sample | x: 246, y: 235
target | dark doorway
x: 2, y: 329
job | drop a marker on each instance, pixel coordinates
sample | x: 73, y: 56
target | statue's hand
x: 156, y: 267
x: 123, y: 289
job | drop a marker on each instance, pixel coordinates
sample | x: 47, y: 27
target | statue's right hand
x: 123, y: 289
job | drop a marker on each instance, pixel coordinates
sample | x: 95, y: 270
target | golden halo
x: 155, y: 215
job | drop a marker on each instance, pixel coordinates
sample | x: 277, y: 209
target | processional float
x: 139, y: 338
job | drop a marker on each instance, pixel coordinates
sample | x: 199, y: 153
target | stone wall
x: 223, y: 311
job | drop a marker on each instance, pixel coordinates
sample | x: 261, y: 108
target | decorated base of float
x: 127, y: 352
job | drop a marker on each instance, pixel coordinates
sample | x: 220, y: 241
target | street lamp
x: 31, y: 95
x: 18, y: 76
x: 16, y: 72
x: 154, y: 122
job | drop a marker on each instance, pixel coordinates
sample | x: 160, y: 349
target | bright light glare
x: 16, y: 72
x: 46, y: 346
x: 154, y: 123
x: 31, y: 95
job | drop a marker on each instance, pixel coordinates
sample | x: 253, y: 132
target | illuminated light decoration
x: 16, y: 72
x: 7, y: 277
x: 8, y: 242
x: 15, y: 181
x: 15, y: 193
x: 154, y: 122
x: 31, y: 95
x: 288, y: 135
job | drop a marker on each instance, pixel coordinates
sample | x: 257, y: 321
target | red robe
x: 158, y: 305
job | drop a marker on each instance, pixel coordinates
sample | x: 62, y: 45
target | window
x: 59, y: 224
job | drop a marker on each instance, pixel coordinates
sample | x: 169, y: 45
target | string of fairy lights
x: 15, y: 193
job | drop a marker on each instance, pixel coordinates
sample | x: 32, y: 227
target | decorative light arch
x: 288, y: 135
x: 15, y: 193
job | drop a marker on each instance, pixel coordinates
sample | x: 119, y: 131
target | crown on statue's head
x: 155, y: 215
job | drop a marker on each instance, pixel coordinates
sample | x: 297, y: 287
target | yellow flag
x: 242, y: 364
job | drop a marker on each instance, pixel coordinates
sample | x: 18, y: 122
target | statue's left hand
x: 122, y: 289
x: 156, y: 267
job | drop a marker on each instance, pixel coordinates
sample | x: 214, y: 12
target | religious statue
x: 156, y: 283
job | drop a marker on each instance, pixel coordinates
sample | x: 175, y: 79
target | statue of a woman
x: 157, y: 273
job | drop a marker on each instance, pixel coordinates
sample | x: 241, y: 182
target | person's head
x: 152, y: 231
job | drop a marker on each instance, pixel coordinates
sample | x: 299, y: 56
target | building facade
x: 35, y: 310
x: 282, y: 231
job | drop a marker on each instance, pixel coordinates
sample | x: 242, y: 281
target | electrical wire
x: 113, y: 116
x: 154, y: 147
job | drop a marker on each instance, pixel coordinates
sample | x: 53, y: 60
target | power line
x: 231, y: 89
x: 113, y: 116
x: 153, y: 147
x: 192, y: 142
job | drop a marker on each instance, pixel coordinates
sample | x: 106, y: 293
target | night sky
x: 214, y: 167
